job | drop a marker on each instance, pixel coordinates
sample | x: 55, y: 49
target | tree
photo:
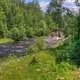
x: 55, y: 9
x: 34, y: 17
x: 3, y: 24
x: 78, y: 18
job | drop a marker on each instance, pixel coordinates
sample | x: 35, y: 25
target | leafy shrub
x: 40, y: 43
x: 33, y: 49
x: 29, y: 32
x: 38, y: 46
x: 18, y: 33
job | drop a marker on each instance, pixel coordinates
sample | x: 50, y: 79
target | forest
x: 37, y: 44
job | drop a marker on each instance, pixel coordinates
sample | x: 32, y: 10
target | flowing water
x: 15, y: 48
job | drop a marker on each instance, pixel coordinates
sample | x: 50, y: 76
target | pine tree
x: 55, y: 10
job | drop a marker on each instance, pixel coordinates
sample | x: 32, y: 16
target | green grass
x: 6, y: 40
x: 38, y: 66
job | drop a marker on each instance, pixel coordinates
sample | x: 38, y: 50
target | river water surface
x: 17, y: 47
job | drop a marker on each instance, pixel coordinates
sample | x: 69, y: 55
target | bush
x: 40, y: 43
x: 18, y: 33
x: 41, y: 66
x: 38, y: 46
x: 29, y: 32
x: 33, y: 49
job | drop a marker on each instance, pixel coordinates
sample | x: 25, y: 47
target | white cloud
x: 71, y: 1
x: 43, y: 5
x: 70, y: 4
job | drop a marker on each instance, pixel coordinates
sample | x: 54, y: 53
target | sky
x: 44, y: 3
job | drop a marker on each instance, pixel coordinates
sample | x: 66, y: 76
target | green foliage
x: 40, y: 43
x: 55, y: 10
x: 18, y: 33
x: 44, y: 68
x: 38, y: 46
x: 33, y: 49
x: 15, y: 34
x: 20, y: 20
x: 3, y: 24
x: 30, y: 32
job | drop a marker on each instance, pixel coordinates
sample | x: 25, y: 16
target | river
x: 15, y: 48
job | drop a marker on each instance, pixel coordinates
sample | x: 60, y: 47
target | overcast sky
x: 44, y: 3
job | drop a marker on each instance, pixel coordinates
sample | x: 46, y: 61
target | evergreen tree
x: 55, y: 9
x: 3, y: 24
